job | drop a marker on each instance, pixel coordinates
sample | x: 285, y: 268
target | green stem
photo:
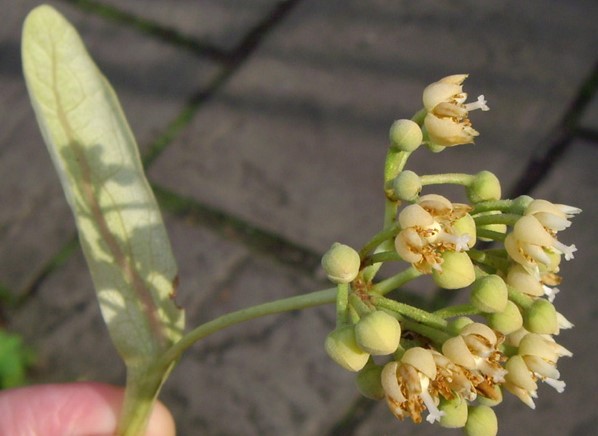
x: 342, y: 303
x: 485, y: 258
x: 386, y: 234
x: 503, y: 218
x: 408, y: 311
x: 457, y: 310
x: 449, y: 178
x: 436, y: 335
x: 488, y: 206
x: 490, y: 234
x: 383, y: 256
x: 396, y: 281
x: 318, y: 298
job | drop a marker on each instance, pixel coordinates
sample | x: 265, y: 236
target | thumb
x: 73, y: 409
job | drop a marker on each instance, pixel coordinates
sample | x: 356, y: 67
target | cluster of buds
x: 452, y: 365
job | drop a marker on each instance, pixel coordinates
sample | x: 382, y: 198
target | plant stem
x: 318, y: 298
x: 342, y: 303
x: 459, y: 310
x: 503, y: 218
x: 408, y: 311
x: 387, y: 233
x: 383, y: 256
x: 488, y: 206
x: 394, y: 282
x: 449, y: 178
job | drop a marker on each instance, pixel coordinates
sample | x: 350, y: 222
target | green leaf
x: 94, y: 152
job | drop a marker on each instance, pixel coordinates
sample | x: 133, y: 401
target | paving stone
x: 271, y: 374
x: 295, y: 143
x: 572, y: 182
x: 221, y: 23
x: 35, y: 221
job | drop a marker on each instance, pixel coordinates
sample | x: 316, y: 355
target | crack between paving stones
x: 558, y: 139
x: 236, y: 229
x: 164, y: 33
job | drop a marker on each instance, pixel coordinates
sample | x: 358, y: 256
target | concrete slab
x: 154, y: 82
x: 295, y: 143
x: 221, y: 23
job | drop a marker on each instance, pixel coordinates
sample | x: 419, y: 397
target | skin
x: 71, y: 409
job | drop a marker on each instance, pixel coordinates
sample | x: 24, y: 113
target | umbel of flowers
x: 452, y: 366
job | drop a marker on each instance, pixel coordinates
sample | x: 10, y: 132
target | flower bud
x: 341, y: 263
x: 489, y: 294
x: 407, y: 186
x: 455, y: 412
x: 378, y: 333
x: 457, y: 324
x: 520, y: 204
x: 485, y: 186
x: 405, y: 135
x: 457, y: 271
x: 507, y: 321
x: 369, y: 382
x: 481, y: 421
x: 465, y: 226
x: 490, y: 398
x: 541, y: 318
x: 343, y: 349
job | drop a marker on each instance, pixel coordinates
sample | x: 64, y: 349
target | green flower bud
x: 341, y: 263
x: 405, y: 135
x: 435, y: 148
x: 378, y: 333
x: 541, y: 318
x: 489, y: 294
x: 457, y: 271
x: 407, y: 186
x: 369, y: 382
x: 481, y: 421
x: 494, y: 397
x: 455, y: 412
x: 520, y: 204
x: 507, y: 321
x: 341, y: 346
x: 465, y: 226
x: 485, y: 186
x: 457, y: 324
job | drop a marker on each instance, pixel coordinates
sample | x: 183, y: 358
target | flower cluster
x: 451, y: 366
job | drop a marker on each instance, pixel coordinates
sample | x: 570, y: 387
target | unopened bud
x: 520, y: 204
x: 455, y: 412
x: 489, y: 294
x: 465, y: 226
x: 341, y: 263
x: 457, y: 271
x: 507, y: 321
x: 405, y: 135
x: 492, y: 396
x: 481, y: 421
x: 407, y: 186
x: 369, y: 382
x: 343, y: 349
x: 485, y: 186
x: 541, y: 318
x: 378, y: 333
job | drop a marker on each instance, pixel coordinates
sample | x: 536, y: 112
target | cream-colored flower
x: 427, y: 230
x: 447, y: 121
x: 476, y: 349
x: 530, y: 244
x: 406, y: 385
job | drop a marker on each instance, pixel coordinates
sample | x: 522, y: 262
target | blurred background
x: 263, y: 125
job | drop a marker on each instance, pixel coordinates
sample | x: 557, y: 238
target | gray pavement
x: 264, y: 125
